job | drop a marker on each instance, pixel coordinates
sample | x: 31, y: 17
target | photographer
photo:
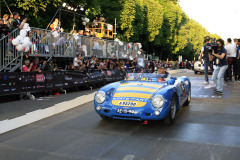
x: 205, y: 55
x: 222, y: 65
x: 15, y: 23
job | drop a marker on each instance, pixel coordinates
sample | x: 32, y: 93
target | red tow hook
x: 145, y: 122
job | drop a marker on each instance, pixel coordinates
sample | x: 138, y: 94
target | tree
x: 172, y: 18
x: 160, y: 25
x: 35, y: 5
x: 141, y: 20
x: 126, y: 18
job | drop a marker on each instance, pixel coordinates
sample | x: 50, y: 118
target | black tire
x: 104, y: 117
x: 196, y: 72
x: 187, y: 102
x: 172, y: 112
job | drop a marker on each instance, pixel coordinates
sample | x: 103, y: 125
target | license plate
x: 126, y: 111
x: 129, y: 104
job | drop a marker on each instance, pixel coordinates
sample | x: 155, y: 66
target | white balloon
x: 26, y: 49
x: 23, y: 33
x: 87, y: 20
x: 84, y: 23
x: 19, y: 47
x: 26, y: 39
x: 15, y: 42
x: 20, y: 38
x: 26, y: 42
x: 120, y: 43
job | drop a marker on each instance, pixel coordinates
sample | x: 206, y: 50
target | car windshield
x: 150, y: 77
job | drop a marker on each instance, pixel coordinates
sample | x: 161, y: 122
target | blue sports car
x: 143, y: 96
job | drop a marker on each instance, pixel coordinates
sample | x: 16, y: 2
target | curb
x: 28, y: 118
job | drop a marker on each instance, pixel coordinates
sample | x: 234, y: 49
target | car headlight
x: 100, y: 97
x: 158, y: 101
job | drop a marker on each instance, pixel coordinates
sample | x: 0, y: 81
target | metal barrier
x: 21, y: 82
x: 8, y: 52
x: 47, y: 43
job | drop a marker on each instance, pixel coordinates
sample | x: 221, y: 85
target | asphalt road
x: 205, y: 130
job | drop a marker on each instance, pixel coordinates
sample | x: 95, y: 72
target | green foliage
x: 154, y: 17
x: 127, y: 17
x: 160, y: 25
x: 35, y: 5
x: 111, y: 9
x: 141, y: 20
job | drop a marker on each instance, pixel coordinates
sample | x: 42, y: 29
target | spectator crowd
x: 87, y: 49
x: 84, y: 64
x: 11, y: 22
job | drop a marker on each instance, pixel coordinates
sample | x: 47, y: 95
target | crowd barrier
x: 46, y: 43
x: 22, y: 82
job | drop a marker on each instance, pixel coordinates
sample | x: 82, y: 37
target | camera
x: 26, y: 17
x: 213, y: 43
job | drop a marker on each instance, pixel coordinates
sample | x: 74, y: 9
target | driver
x: 162, y: 71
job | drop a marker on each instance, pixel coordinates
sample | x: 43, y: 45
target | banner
x: 18, y: 82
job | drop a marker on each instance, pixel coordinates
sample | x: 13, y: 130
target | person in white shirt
x: 231, y: 58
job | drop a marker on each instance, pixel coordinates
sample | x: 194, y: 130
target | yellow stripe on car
x: 141, y: 84
x: 136, y: 89
x: 136, y: 95
x: 138, y: 104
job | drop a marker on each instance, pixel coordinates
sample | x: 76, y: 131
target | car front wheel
x: 187, y: 102
x: 172, y: 112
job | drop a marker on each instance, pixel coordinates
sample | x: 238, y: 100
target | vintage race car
x: 199, y: 67
x: 143, y: 96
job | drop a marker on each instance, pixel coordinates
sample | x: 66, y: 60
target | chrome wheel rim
x: 173, y: 109
x: 189, y: 96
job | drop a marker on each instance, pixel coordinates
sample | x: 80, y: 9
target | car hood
x: 135, y: 93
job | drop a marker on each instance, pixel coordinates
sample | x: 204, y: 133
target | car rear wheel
x: 187, y: 102
x: 196, y: 72
x: 172, y: 112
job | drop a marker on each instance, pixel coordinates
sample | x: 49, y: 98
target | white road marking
x: 129, y: 157
x: 8, y: 125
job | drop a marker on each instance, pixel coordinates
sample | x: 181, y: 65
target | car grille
x: 125, y: 117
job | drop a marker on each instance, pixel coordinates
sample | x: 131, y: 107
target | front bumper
x: 141, y: 113
x: 199, y: 69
